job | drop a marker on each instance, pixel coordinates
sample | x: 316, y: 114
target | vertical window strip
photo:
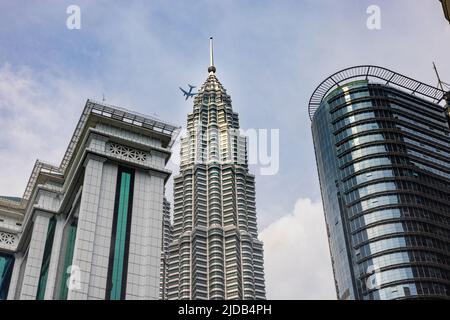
x: 72, y: 232
x: 120, y: 237
x: 6, y: 265
x: 46, y: 259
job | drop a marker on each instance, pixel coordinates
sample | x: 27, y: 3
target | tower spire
x: 211, y: 67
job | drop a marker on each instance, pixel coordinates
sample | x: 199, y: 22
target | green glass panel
x: 72, y: 232
x: 120, y: 239
x: 46, y: 259
x: 6, y: 265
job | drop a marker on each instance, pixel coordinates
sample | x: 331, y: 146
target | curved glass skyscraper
x: 382, y: 145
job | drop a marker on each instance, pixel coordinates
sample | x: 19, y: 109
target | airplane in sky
x: 190, y: 93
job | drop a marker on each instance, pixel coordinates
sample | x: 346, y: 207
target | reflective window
x: 374, y: 216
x: 354, y: 118
x: 368, y: 176
x: 117, y: 272
x: 361, y: 140
x: 399, y: 274
x: 357, y: 129
x: 431, y: 169
x: 365, y: 164
x: 400, y: 242
x: 362, y: 152
x: 46, y: 259
x: 352, y: 107
x: 377, y: 231
x: 375, y: 202
x: 66, y: 272
x: 6, y: 268
x: 370, y: 189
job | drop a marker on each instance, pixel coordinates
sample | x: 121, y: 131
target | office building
x: 90, y: 228
x: 215, y: 252
x: 382, y: 145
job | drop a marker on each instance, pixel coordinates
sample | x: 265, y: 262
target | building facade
x: 382, y: 145
x: 166, y: 235
x: 91, y: 227
x: 215, y: 252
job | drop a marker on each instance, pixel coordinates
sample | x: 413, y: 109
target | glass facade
x: 6, y: 267
x: 118, y: 262
x: 70, y: 245
x: 46, y: 259
x: 383, y: 160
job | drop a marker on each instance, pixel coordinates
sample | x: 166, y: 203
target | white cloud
x: 296, y: 255
x: 39, y: 112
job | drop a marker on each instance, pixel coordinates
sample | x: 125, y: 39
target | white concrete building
x: 215, y: 252
x: 91, y: 227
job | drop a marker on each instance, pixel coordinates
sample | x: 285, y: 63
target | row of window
x: 373, y: 137
x: 439, y: 131
x: 349, y: 96
x: 366, y: 151
x: 396, y: 106
x: 370, y: 150
x: 391, y: 228
x: 407, y: 290
x: 431, y: 169
x: 392, y: 259
x: 352, y: 107
x: 400, y: 242
x: 427, y: 137
x: 395, y: 213
x: 426, y: 146
x: 358, y: 129
x: 419, y: 106
x: 392, y: 186
x: 390, y: 173
x: 427, y: 158
x: 370, y: 189
x: 384, y: 277
x: 396, y: 199
x: 356, y: 117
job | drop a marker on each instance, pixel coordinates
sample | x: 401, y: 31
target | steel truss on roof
x: 388, y: 77
x: 39, y: 166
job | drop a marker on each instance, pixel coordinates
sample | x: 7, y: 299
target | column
x: 54, y: 260
x: 145, y: 237
x: 35, y: 254
x: 87, y: 219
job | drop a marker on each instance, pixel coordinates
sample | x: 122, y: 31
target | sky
x: 269, y: 55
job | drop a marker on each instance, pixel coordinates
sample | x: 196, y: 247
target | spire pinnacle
x: 211, y: 68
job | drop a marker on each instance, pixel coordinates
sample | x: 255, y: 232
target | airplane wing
x: 191, y: 86
x: 184, y: 91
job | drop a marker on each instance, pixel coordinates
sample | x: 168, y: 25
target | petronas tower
x: 214, y: 252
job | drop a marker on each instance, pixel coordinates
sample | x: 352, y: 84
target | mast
x: 211, y: 67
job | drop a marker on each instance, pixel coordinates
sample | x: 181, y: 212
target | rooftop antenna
x: 103, y: 98
x: 211, y: 68
x: 442, y: 84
